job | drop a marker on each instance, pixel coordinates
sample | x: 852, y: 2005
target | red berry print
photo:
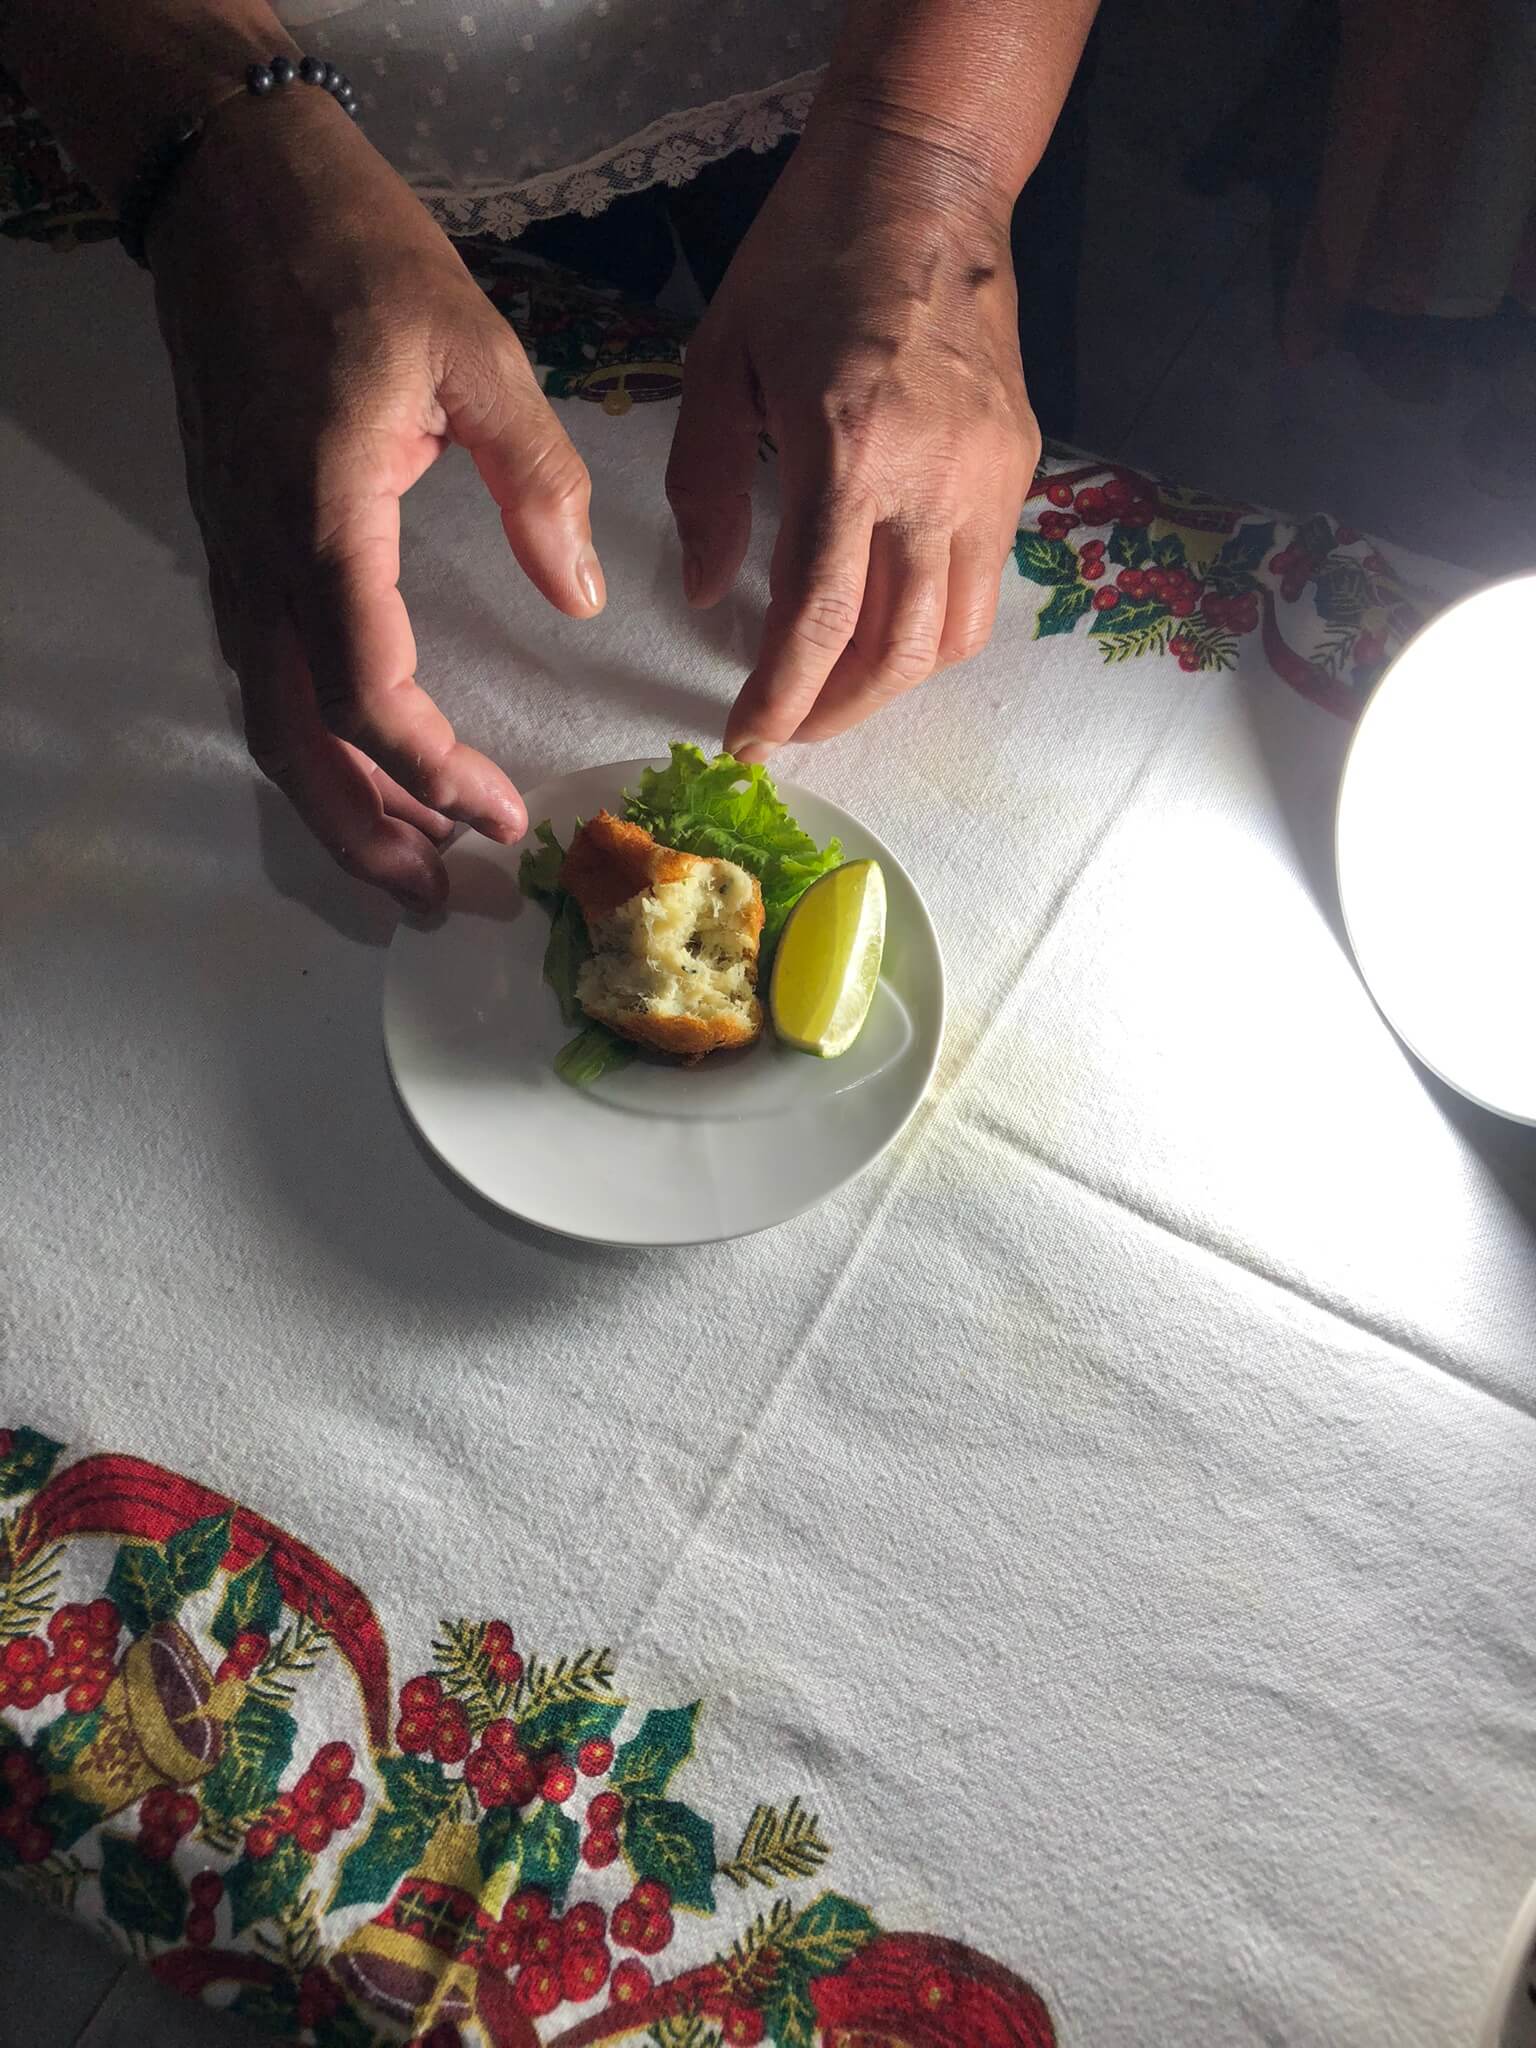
x: 651, y: 1896
x: 421, y: 1695
x: 742, y: 2027
x: 1091, y: 570
x: 526, y: 1908
x: 25, y: 1655
x: 1189, y: 663
x: 1092, y: 505
x: 631, y: 1981
x: 248, y: 1649
x: 593, y: 1758
x: 585, y: 1922
x: 206, y: 1889
x: 1056, y: 525
x: 344, y: 1804
x: 584, y: 1971
x: 498, y: 1639
x: 627, y: 1925
x: 310, y: 1794
x: 200, y: 1926
x: 103, y: 1620
x: 451, y: 1738
x: 600, y: 1849
x: 157, y: 1845
x: 260, y: 1840
x: 606, y: 1810
x: 537, y: 1989
x: 501, y: 1739
x: 413, y: 1732
x: 282, y: 1813
x: 544, y: 1942
x: 655, y: 1934
x: 333, y: 1760
x: 312, y: 1832
x: 559, y: 1782
x: 503, y: 1948
x: 1059, y: 494
x: 1105, y: 600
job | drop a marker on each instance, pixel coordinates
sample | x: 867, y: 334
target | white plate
x: 1510, y: 2021
x: 1437, y: 847
x: 655, y: 1154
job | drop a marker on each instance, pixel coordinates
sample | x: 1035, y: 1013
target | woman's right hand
x: 327, y: 344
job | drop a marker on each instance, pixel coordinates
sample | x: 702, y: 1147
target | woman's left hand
x: 869, y: 326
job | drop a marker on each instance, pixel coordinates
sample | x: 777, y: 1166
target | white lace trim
x: 669, y: 152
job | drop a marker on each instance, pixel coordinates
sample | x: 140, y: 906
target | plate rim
x: 1362, y: 728
x: 537, y: 801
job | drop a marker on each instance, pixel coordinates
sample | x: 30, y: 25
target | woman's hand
x: 869, y: 326
x: 327, y: 344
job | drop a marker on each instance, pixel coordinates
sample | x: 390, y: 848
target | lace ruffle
x: 669, y: 152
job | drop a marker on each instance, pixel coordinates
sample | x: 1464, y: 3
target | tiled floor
x: 1180, y: 369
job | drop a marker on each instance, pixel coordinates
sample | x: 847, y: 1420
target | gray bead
x: 282, y: 70
x: 259, y: 79
x: 311, y: 70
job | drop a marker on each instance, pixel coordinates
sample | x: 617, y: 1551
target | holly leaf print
x: 64, y: 1739
x: 192, y: 1555
x: 144, y: 1897
x: 1167, y: 551
x: 568, y: 1724
x: 1129, y: 547
x: 1343, y: 591
x: 252, y: 1603
x: 789, y: 2011
x: 259, y: 1887
x: 827, y: 1934
x: 1241, y: 557
x: 646, y: 1766
x: 67, y: 1818
x: 551, y: 1846
x: 27, y: 1460
x: 668, y: 1841
x: 1042, y: 560
x: 257, y: 1748
x: 500, y: 1840
x: 1314, y: 538
x: 1130, y: 615
x: 1062, y: 613
x: 141, y: 1587
x: 417, y: 1795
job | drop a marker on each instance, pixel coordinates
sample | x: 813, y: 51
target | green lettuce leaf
x: 728, y: 810
x: 591, y: 1054
x: 595, y: 1050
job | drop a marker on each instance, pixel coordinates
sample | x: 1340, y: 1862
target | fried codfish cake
x: 674, y: 940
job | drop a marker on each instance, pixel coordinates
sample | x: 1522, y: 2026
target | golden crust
x: 609, y: 863
x: 611, y: 860
x: 689, y: 1038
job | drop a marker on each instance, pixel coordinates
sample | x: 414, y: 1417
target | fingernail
x: 589, y: 577
x: 752, y: 750
x: 693, y: 576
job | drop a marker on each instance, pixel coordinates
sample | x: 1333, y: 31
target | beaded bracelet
x: 155, y: 176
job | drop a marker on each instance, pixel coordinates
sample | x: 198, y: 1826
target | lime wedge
x: 828, y: 961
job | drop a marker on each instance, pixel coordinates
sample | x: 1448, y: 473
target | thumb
x: 526, y: 460
x: 709, y: 475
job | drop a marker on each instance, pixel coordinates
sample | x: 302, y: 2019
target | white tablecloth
x: 1111, y: 1515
